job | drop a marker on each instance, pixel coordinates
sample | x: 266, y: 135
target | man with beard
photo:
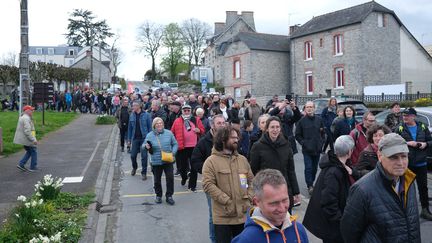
x: 200, y: 153
x: 227, y: 177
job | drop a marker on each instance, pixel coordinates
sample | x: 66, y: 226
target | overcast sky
x: 48, y: 19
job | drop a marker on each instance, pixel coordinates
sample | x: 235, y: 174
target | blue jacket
x: 146, y: 125
x: 167, y: 142
x: 259, y: 230
x: 68, y: 97
x: 328, y: 116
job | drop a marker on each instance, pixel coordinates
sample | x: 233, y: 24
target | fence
x: 302, y: 99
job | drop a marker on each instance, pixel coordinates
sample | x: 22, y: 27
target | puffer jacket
x: 228, y: 180
x: 328, y: 200
x: 417, y: 156
x: 277, y: 155
x: 178, y: 126
x: 259, y: 229
x: 164, y: 140
x: 309, y: 133
x: 375, y: 213
x: 25, y: 131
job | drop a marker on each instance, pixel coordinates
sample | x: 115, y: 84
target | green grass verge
x: 105, y: 120
x: 66, y: 214
x: 53, y: 121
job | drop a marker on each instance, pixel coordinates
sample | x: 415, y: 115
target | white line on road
x: 91, y: 159
x: 77, y: 179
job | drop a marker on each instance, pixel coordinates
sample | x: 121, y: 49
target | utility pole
x: 100, y: 66
x: 91, y: 57
x: 24, y: 58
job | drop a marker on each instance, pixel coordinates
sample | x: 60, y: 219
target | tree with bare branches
x: 194, y: 33
x: 150, y: 40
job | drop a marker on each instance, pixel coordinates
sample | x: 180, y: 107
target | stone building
x: 246, y: 61
x: 346, y: 50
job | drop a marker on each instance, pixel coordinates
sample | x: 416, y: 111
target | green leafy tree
x: 84, y: 30
x: 8, y: 74
x: 150, y: 41
x: 172, y: 40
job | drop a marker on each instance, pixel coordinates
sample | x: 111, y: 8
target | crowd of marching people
x: 365, y: 191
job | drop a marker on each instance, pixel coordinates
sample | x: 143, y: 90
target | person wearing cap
x: 187, y: 129
x: 25, y: 135
x: 382, y: 206
x: 418, y: 139
x: 395, y: 117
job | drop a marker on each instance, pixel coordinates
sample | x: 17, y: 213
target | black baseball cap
x: 410, y: 111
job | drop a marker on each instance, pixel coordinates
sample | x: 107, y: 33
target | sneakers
x: 193, y: 190
x: 426, y: 214
x: 177, y: 173
x: 22, y: 168
x: 170, y: 201
x: 310, y: 190
x: 34, y: 170
x: 128, y: 149
x: 158, y: 200
x: 144, y: 177
x: 183, y: 181
x: 133, y: 172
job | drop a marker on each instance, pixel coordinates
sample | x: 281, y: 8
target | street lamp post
x: 24, y: 57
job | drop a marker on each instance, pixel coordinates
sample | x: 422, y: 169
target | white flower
x: 33, y: 204
x: 56, y: 237
x: 27, y: 205
x: 38, y: 194
x: 40, y: 201
x: 22, y: 198
x: 17, y: 215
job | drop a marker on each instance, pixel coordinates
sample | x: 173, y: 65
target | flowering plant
x: 46, y: 239
x: 49, y: 188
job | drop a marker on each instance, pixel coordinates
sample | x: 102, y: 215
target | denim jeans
x: 311, y: 166
x: 30, y: 152
x: 211, y: 225
x: 136, y: 148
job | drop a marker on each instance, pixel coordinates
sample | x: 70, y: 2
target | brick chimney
x: 293, y: 28
x: 219, y: 27
x: 248, y: 17
x: 231, y: 17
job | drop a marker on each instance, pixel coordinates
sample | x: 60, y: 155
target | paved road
x: 141, y: 220
x: 64, y: 153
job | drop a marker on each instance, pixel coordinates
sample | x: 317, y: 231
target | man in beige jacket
x: 227, y: 177
x: 25, y: 134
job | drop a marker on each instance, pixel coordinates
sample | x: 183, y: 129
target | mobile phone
x: 288, y: 97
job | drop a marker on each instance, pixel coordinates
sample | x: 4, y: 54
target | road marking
x: 77, y: 179
x: 163, y: 177
x: 152, y: 194
x: 91, y: 159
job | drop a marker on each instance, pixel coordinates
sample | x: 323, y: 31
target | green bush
x: 49, y: 188
x: 423, y: 102
x: 387, y: 105
x: 35, y: 220
x: 105, y: 120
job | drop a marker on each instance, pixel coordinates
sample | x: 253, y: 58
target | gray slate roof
x: 58, y: 50
x: 264, y: 42
x: 344, y: 17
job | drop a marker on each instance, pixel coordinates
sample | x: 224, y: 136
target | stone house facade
x: 344, y: 51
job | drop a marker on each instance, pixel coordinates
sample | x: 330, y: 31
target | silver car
x: 424, y: 115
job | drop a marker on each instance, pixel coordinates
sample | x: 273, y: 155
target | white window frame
x: 71, y: 51
x: 51, y: 51
x: 308, y: 75
x: 338, y: 45
x: 308, y: 50
x: 237, y: 69
x: 381, y: 20
x: 339, y: 74
x: 39, y: 51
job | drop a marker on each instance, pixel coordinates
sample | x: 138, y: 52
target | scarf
x: 332, y: 109
x: 351, y: 121
x: 187, y: 122
x: 224, y: 113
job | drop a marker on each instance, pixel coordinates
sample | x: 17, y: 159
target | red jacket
x: 178, y: 126
x: 360, y: 141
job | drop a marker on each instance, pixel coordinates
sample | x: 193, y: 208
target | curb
x: 95, y: 228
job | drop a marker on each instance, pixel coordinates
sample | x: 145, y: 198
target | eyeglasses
x: 186, y: 110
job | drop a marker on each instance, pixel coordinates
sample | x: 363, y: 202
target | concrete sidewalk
x: 73, y: 151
